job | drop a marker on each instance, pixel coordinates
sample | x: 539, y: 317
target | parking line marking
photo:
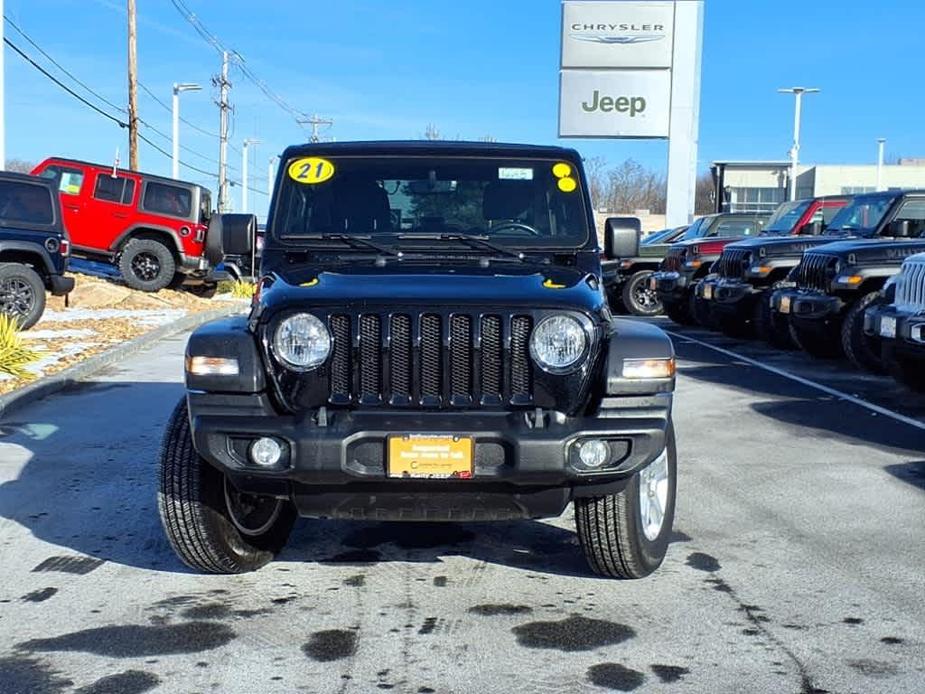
x: 806, y: 382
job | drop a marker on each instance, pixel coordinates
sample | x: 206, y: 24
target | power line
x: 114, y: 119
x: 183, y: 120
x: 241, y: 64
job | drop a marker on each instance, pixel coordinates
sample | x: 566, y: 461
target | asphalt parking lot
x: 798, y: 562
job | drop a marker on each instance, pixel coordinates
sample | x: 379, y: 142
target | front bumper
x: 671, y: 287
x: 335, y: 464
x: 61, y: 285
x: 904, y: 331
x: 806, y: 307
x: 733, y: 297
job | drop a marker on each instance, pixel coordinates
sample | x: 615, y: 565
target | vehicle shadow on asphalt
x: 89, y: 486
x: 805, y: 410
x: 912, y: 473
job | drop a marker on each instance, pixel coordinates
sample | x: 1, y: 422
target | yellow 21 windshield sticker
x: 311, y: 170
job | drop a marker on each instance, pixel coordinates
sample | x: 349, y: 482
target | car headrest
x: 507, y: 199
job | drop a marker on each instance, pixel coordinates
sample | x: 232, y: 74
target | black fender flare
x: 633, y: 339
x: 121, y: 240
x: 35, y: 249
x: 227, y: 338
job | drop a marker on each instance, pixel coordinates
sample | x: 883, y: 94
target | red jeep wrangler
x: 154, y: 229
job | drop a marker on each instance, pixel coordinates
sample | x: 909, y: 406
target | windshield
x: 861, y: 217
x: 526, y: 202
x: 786, y: 216
x: 694, y: 230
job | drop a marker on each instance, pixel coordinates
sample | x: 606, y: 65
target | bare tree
x: 432, y: 132
x: 19, y: 165
x: 630, y: 186
x: 596, y: 171
x: 705, y: 197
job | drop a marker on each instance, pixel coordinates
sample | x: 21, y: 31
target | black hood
x: 860, y: 251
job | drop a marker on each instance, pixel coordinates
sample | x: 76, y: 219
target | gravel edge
x: 48, y: 385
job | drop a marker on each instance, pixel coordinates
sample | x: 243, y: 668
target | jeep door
x: 71, y: 180
x: 111, y: 207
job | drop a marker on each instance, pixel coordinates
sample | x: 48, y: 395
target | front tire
x: 862, y: 351
x: 626, y: 535
x: 22, y: 294
x: 638, y: 299
x: 147, y: 265
x: 208, y: 525
x: 679, y: 313
x: 818, y: 346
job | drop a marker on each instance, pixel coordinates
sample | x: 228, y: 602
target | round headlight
x: 558, y: 343
x: 302, y: 341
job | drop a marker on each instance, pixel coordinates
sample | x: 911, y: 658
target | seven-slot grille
x: 813, y: 271
x: 910, y: 291
x: 431, y: 359
x: 733, y: 263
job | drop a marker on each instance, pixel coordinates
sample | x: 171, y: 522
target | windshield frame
x: 588, y: 240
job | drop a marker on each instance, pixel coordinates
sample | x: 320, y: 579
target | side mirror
x: 900, y: 228
x: 812, y: 228
x: 621, y: 237
x: 230, y: 234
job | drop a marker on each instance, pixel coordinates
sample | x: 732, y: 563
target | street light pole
x: 247, y: 143
x: 177, y: 88
x: 798, y: 92
x: 880, y: 142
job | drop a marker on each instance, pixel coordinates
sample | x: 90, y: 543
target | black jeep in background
x: 33, y: 247
x: 899, y: 323
x: 837, y: 282
x: 430, y: 342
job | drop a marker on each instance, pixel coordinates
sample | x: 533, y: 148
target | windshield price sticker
x: 568, y: 184
x: 311, y: 170
x: 513, y: 174
x: 561, y: 170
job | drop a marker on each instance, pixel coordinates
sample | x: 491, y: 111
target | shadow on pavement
x: 89, y: 486
x: 912, y: 473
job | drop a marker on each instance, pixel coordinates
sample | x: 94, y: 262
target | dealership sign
x: 616, y: 69
x: 617, y: 34
x: 631, y: 69
x: 610, y: 103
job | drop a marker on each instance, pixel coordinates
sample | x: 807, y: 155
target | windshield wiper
x: 471, y: 241
x: 354, y: 242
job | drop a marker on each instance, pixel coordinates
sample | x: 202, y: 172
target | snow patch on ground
x: 147, y: 317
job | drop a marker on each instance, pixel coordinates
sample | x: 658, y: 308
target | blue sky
x: 385, y: 69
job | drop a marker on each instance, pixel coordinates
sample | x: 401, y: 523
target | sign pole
x: 684, y: 132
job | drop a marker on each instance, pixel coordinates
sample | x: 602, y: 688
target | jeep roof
x: 54, y: 161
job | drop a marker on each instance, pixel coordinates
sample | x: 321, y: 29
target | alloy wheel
x: 16, y: 297
x: 653, y: 496
x: 146, y: 267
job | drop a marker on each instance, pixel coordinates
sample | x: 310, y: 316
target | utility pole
x: 2, y: 96
x: 244, y: 148
x: 798, y: 92
x: 880, y: 142
x: 315, y: 122
x: 177, y: 89
x: 132, y: 89
x: 224, y: 107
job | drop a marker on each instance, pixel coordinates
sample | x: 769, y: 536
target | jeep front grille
x: 431, y: 359
x: 673, y: 260
x: 910, y: 292
x: 733, y: 263
x: 814, y: 271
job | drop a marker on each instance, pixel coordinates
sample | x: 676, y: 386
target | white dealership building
x: 749, y: 186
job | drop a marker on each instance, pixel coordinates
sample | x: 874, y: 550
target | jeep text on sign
x: 615, y: 103
x: 617, y: 34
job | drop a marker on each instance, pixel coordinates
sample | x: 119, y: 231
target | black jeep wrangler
x: 899, y: 323
x: 33, y: 247
x: 837, y: 282
x: 430, y: 341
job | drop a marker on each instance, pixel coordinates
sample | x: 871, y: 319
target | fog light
x: 266, y: 452
x: 593, y: 453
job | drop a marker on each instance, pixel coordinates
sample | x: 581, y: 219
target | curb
x: 52, y: 384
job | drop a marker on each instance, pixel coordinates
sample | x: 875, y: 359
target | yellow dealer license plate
x: 708, y: 292
x: 785, y: 304
x: 413, y: 456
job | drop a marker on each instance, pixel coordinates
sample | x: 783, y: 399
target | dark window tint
x: 166, y: 199
x: 117, y: 189
x: 25, y: 203
x: 739, y: 227
x: 70, y: 179
x: 828, y: 213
